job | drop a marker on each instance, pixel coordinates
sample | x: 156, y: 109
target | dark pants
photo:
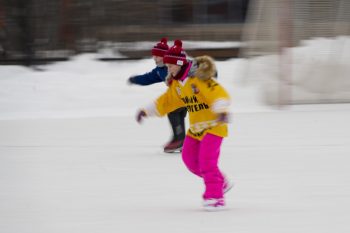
x: 177, y: 121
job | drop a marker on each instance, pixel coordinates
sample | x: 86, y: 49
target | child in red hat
x: 158, y: 74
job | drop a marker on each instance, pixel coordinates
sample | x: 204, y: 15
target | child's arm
x: 164, y: 104
x: 155, y: 76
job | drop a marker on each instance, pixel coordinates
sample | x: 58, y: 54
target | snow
x: 316, y: 70
x: 73, y: 159
x: 187, y: 44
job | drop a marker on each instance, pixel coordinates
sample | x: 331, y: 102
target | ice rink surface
x: 290, y: 168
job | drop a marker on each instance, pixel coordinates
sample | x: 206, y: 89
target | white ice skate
x: 214, y: 204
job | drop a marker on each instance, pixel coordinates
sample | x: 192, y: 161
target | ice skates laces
x: 214, y: 204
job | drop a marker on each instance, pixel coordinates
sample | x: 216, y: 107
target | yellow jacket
x: 203, y: 97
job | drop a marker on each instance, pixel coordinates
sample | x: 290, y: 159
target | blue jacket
x: 157, y: 75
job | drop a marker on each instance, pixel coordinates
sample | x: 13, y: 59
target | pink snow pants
x: 201, y: 158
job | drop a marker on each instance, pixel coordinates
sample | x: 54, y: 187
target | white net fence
x: 299, y: 50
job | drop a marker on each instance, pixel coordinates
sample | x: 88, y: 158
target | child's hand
x: 130, y: 80
x: 140, y: 115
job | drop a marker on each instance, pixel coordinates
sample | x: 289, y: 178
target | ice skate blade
x: 214, y: 209
x: 179, y: 150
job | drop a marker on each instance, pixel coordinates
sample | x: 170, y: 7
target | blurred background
x: 31, y: 28
x: 294, y: 46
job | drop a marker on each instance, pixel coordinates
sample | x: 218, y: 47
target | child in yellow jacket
x: 207, y: 103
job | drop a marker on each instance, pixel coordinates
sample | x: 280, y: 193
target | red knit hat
x: 160, y: 48
x: 175, y: 55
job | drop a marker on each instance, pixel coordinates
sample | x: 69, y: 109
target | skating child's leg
x: 190, y: 153
x: 208, y: 162
x: 177, y: 123
x: 182, y: 116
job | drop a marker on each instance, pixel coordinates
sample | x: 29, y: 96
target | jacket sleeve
x: 216, y: 96
x: 167, y: 102
x: 155, y: 76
